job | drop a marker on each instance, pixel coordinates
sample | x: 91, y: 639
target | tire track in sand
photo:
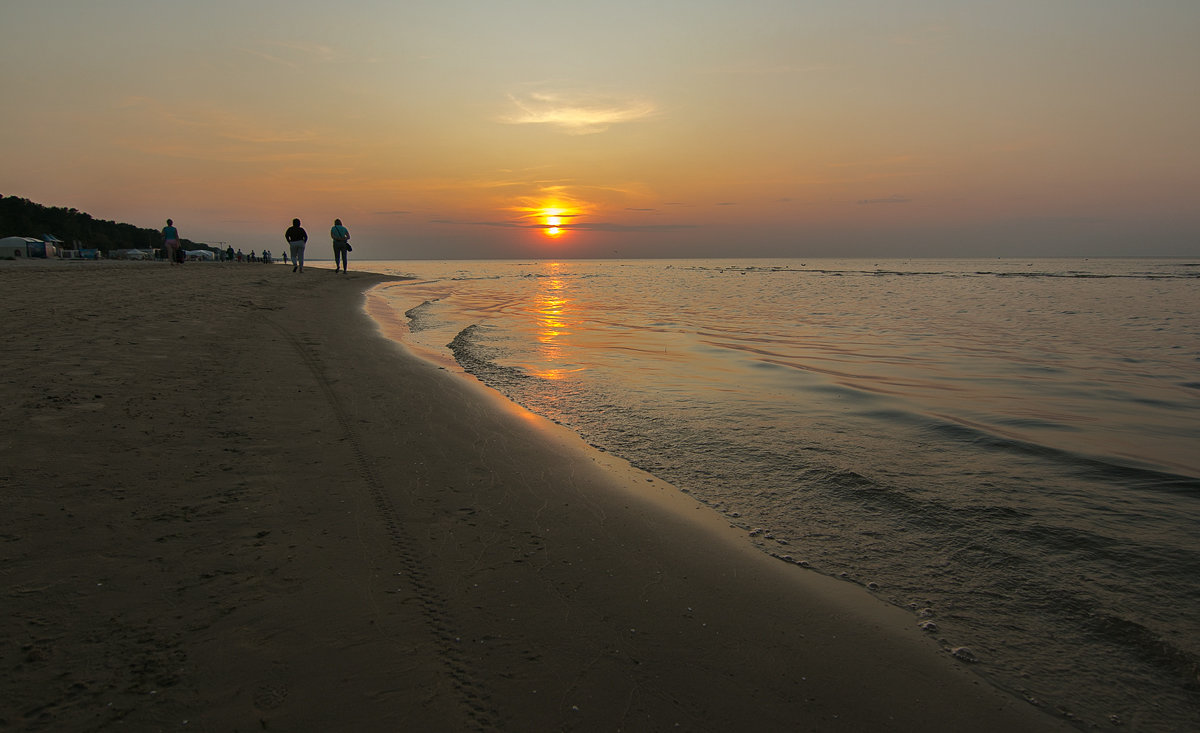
x: 434, y: 607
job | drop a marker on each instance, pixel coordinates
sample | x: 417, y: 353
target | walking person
x: 341, y: 245
x: 296, y: 238
x: 170, y: 236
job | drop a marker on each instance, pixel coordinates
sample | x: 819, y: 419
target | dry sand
x: 230, y: 504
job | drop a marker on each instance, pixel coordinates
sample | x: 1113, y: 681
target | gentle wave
x: 1005, y: 448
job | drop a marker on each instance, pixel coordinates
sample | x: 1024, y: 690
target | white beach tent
x: 131, y: 254
x: 199, y: 254
x: 16, y: 248
x: 54, y: 245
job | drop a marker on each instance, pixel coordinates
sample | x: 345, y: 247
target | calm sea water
x: 1009, y: 448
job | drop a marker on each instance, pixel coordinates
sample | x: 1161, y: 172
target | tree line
x: 23, y: 218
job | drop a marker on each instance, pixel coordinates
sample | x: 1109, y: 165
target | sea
x: 1007, y: 448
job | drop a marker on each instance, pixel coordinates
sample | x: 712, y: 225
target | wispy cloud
x: 584, y: 226
x: 207, y: 132
x: 765, y: 69
x: 577, y: 114
x: 893, y: 199
x: 894, y: 160
x: 273, y: 59
x: 924, y: 36
x: 292, y: 55
x: 601, y: 226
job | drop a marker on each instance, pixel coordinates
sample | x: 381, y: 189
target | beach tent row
x: 148, y: 254
x: 17, y: 248
x: 14, y: 248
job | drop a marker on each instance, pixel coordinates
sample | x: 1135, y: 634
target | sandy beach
x: 232, y: 504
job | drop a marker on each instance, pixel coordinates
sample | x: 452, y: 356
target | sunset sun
x: 555, y: 217
x: 552, y: 221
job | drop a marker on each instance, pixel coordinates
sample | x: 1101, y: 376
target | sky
x: 454, y: 129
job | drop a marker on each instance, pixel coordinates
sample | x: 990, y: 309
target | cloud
x: 586, y: 226
x: 926, y: 36
x: 772, y: 68
x: 203, y: 132
x: 577, y: 114
x: 876, y: 162
x: 601, y: 226
x: 893, y: 199
x: 291, y: 54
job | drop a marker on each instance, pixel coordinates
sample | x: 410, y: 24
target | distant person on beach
x: 170, y: 237
x: 296, y: 238
x: 229, y: 253
x: 341, y: 244
x: 285, y: 258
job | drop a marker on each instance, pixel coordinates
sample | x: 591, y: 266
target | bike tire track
x: 434, y: 607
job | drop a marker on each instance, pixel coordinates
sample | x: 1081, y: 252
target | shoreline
x: 344, y: 536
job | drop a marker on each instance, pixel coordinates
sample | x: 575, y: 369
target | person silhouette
x: 296, y: 238
x: 170, y: 236
x: 341, y: 244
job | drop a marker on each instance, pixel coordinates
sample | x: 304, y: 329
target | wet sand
x: 230, y: 504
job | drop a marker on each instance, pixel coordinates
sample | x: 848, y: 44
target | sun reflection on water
x: 553, y: 318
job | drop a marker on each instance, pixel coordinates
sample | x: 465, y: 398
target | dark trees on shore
x: 23, y: 218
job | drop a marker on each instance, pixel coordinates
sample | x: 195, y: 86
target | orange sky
x: 447, y: 129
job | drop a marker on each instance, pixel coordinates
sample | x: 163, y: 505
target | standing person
x: 170, y: 236
x: 341, y: 244
x: 296, y: 238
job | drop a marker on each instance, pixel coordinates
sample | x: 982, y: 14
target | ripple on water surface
x: 1006, y: 448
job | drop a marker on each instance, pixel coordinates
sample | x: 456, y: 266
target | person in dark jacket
x: 296, y: 238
